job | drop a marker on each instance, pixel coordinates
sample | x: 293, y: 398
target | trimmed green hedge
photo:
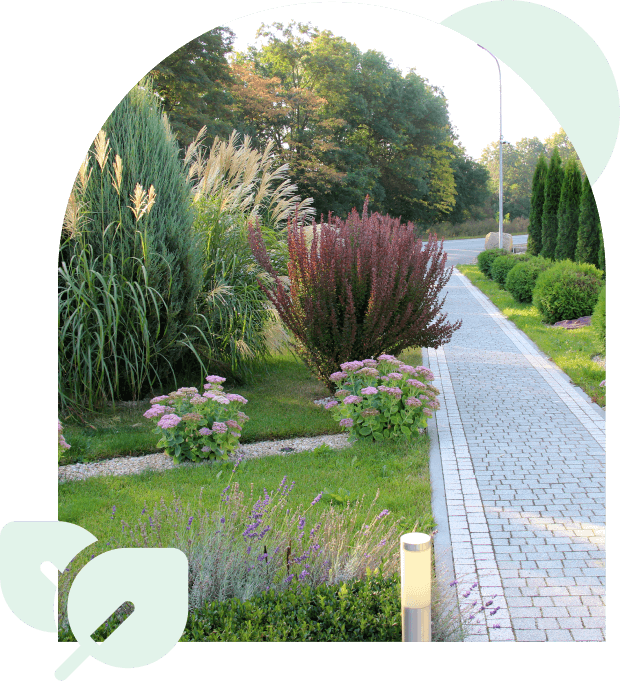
x: 486, y: 258
x: 522, y: 278
x: 567, y: 290
x: 598, y: 318
x: 503, y: 264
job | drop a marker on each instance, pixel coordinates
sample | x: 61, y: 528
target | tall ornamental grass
x: 364, y: 286
x: 112, y: 320
x: 231, y: 184
x: 129, y: 268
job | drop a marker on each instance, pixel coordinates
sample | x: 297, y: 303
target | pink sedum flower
x: 169, y: 421
x: 352, y: 399
x: 346, y: 423
x: 413, y: 402
x: 351, y: 366
x: 155, y: 411
x: 395, y: 375
x: 331, y: 404
x: 370, y: 390
x: 215, y: 379
x: 205, y: 431
x: 370, y: 362
x: 219, y: 427
x: 337, y: 376
x: 236, y: 398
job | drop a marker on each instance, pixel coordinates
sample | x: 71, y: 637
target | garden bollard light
x: 415, y: 586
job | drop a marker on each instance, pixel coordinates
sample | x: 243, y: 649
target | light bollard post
x: 415, y: 586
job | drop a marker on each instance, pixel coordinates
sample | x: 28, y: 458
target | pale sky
x: 467, y: 74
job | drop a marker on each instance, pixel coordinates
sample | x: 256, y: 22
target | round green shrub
x: 521, y: 279
x: 567, y: 290
x: 598, y: 318
x: 486, y: 258
x: 502, y: 265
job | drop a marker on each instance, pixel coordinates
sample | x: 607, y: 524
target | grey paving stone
x: 524, y: 462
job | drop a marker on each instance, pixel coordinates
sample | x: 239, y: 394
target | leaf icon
x: 154, y: 580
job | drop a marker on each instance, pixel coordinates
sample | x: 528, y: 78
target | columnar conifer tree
x: 364, y: 286
x: 601, y: 249
x: 589, y: 235
x: 534, y: 241
x: 568, y: 212
x: 553, y: 190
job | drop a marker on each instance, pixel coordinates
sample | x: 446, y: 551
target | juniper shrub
x: 364, y: 286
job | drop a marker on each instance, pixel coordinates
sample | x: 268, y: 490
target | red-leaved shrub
x: 364, y: 286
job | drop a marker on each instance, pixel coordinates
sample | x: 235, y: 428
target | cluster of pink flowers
x: 62, y: 443
x: 169, y: 421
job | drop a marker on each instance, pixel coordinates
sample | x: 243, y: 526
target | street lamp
x: 501, y: 146
x: 415, y: 585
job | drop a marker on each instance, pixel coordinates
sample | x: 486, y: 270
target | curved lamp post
x: 501, y: 145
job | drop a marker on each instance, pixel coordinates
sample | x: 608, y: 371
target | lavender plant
x: 383, y: 398
x: 236, y: 552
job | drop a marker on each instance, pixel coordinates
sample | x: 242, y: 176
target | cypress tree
x: 601, y: 249
x: 163, y: 240
x: 589, y: 235
x: 553, y: 189
x: 534, y: 240
x: 568, y: 212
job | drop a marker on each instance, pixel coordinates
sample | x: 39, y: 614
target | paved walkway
x: 518, y: 476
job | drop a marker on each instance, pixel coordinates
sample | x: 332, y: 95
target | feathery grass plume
x: 242, y: 179
x: 118, y: 173
x: 233, y: 183
x: 102, y: 148
x: 366, y: 286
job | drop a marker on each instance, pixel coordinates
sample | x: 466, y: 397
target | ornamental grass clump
x: 383, y: 398
x: 197, y: 427
x: 365, y: 286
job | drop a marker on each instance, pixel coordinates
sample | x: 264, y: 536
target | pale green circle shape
x: 560, y: 62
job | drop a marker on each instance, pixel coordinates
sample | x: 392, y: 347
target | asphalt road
x: 464, y: 251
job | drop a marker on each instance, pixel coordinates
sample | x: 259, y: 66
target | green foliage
x: 589, y: 237
x: 598, y: 318
x: 553, y: 189
x: 129, y: 266
x: 567, y: 290
x: 534, y: 241
x: 601, y: 250
x: 362, y: 610
x: 521, y: 279
x: 503, y: 264
x: 194, y: 85
x: 568, y: 213
x: 486, y: 258
x: 362, y: 287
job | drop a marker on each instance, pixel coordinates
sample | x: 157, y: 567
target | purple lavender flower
x: 289, y: 579
x: 497, y: 626
x: 302, y: 524
x: 189, y: 522
x: 383, y: 514
x: 113, y: 512
x: 303, y: 574
x: 317, y: 499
